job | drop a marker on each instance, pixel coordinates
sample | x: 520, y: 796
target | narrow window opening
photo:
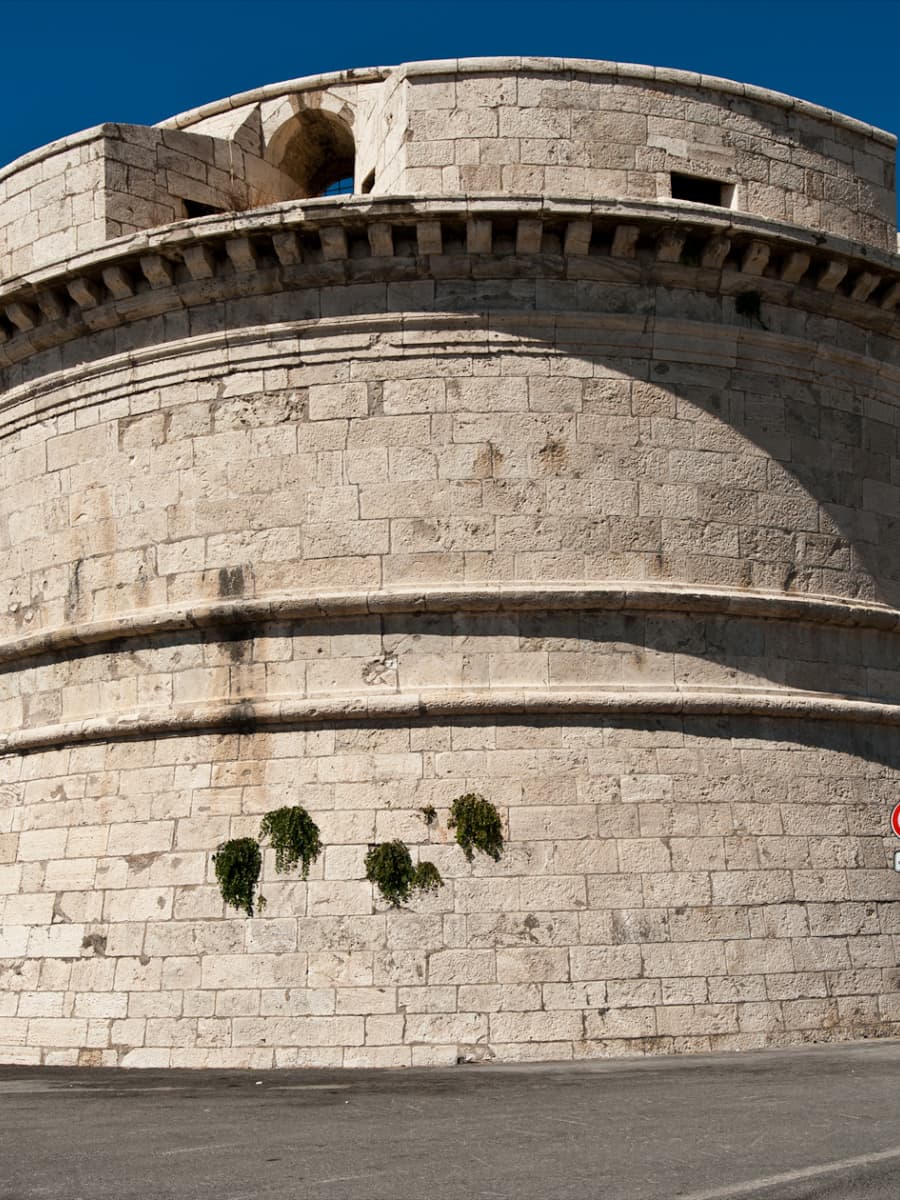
x: 702, y: 191
x: 195, y: 208
x: 368, y: 183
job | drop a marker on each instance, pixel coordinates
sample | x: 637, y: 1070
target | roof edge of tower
x: 492, y: 65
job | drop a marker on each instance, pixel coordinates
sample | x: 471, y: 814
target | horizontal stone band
x: 486, y: 598
x: 247, y: 716
x: 303, y: 245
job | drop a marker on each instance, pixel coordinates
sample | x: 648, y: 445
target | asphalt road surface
x: 818, y: 1123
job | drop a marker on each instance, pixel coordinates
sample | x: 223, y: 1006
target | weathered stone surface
x: 587, y: 504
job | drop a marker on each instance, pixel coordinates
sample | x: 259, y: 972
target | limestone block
x: 28, y: 908
x: 298, y: 1031
x: 138, y: 904
x: 528, y: 965
x: 55, y: 941
x: 13, y: 942
x: 446, y: 1027
x: 461, y: 967
x: 56, y: 1032
x: 340, y: 899
x: 622, y: 1023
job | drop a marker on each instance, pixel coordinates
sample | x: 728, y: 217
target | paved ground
x: 819, y: 1123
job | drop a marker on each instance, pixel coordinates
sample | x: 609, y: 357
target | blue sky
x: 70, y: 64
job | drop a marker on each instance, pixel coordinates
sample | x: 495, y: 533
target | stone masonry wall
x: 396, y: 467
x: 590, y: 506
x: 669, y: 884
x: 584, y: 133
x: 666, y: 887
x: 118, y: 179
x: 53, y: 206
x: 513, y: 127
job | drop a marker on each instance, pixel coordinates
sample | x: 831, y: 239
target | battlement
x: 527, y: 127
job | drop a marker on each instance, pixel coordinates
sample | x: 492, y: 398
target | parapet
x: 499, y: 126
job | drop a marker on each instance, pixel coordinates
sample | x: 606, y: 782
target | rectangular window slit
x: 702, y: 191
x: 196, y: 208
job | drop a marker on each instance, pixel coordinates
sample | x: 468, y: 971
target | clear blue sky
x: 70, y: 64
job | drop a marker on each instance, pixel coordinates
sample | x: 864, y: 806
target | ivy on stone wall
x: 294, y: 836
x: 478, y: 825
x: 237, y: 864
x: 389, y: 866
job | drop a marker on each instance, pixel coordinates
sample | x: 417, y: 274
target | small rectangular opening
x: 195, y: 208
x: 702, y: 191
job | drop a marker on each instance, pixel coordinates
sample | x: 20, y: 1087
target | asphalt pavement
x: 815, y: 1123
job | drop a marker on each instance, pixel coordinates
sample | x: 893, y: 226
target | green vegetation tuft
x: 390, y: 867
x: 478, y: 825
x: 294, y: 836
x: 428, y: 878
x: 237, y: 864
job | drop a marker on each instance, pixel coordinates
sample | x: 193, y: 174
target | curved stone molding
x: 566, y: 67
x: 543, y: 649
x: 251, y: 716
x: 510, y: 598
x: 315, y: 245
x: 106, y: 377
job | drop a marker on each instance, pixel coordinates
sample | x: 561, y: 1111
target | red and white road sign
x: 895, y: 820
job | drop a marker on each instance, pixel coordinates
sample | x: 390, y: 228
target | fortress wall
x: 668, y: 886
x: 119, y: 179
x: 583, y: 133
x: 532, y: 645
x: 150, y: 171
x: 590, y: 507
x: 517, y: 127
x: 53, y: 206
x: 671, y: 882
x: 381, y: 132
x: 697, y: 453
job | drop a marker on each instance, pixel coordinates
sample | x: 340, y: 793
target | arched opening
x: 316, y: 149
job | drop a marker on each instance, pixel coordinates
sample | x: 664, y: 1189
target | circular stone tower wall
x: 558, y: 463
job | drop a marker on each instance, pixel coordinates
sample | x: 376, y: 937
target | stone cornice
x: 484, y: 598
x: 324, y: 244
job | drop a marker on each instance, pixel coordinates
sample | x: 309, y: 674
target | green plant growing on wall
x: 477, y: 824
x: 390, y: 867
x: 429, y: 814
x: 294, y: 836
x: 237, y: 864
x: 428, y: 878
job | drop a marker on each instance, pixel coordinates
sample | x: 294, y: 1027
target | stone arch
x: 310, y: 139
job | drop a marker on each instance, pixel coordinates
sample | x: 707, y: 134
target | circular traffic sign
x: 895, y: 820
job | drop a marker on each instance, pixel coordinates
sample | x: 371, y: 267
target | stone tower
x: 558, y: 462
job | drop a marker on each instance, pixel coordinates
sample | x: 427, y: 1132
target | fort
x: 518, y: 427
